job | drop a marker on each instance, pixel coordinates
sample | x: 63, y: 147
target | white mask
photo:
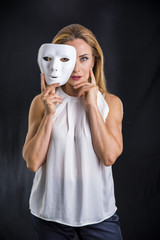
x: 56, y: 62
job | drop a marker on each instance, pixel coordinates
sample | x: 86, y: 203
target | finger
x: 80, y: 82
x: 82, y: 85
x: 57, y: 96
x: 57, y: 101
x: 52, y: 101
x: 83, y: 91
x: 93, y: 80
x: 51, y: 88
x: 51, y: 96
x: 43, y: 85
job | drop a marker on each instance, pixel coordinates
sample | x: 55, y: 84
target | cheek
x: 89, y: 64
x: 87, y: 68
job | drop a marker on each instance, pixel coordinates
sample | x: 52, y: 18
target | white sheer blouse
x: 73, y: 186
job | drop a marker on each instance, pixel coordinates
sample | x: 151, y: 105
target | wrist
x: 48, y: 115
x: 92, y: 106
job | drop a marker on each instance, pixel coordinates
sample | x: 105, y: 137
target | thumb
x: 43, y: 85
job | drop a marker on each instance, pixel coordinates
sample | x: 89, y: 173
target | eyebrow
x: 84, y: 55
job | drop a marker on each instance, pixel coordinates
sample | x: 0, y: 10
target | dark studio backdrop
x: 129, y: 34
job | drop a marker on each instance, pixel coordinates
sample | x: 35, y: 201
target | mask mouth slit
x: 53, y: 77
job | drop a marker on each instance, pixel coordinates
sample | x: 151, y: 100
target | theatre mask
x: 56, y: 62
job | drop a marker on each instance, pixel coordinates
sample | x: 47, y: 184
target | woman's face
x: 84, y: 61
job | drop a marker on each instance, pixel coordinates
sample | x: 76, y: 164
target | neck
x: 68, y: 89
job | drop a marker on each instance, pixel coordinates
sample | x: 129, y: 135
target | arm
x: 38, y: 136
x: 41, y: 114
x: 107, y: 136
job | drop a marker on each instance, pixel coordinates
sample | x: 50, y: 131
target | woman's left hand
x: 89, y: 90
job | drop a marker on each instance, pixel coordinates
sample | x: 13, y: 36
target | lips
x: 76, y: 78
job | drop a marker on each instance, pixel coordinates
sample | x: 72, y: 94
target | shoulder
x: 115, y: 105
x: 37, y: 102
x: 37, y: 107
x: 113, y: 100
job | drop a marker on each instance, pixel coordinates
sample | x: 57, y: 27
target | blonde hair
x: 74, y: 31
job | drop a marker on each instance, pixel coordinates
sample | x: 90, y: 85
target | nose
x: 76, y: 68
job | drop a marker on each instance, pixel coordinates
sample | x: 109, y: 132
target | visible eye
x: 47, y: 58
x: 84, y: 59
x: 64, y: 59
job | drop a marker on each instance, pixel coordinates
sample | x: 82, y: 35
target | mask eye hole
x: 47, y: 59
x: 64, y: 59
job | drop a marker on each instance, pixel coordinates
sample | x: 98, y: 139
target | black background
x: 129, y: 34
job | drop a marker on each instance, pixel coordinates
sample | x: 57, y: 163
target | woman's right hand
x: 49, y: 97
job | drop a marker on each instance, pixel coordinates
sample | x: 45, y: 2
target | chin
x: 72, y: 83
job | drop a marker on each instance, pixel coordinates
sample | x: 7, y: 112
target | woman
x: 74, y: 137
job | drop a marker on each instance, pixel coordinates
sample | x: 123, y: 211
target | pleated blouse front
x: 73, y: 186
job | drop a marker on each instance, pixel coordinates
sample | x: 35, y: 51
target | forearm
x: 105, y: 144
x: 35, y: 150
